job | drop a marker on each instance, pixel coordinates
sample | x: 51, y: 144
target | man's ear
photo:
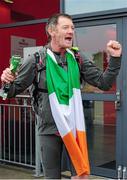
x: 51, y: 31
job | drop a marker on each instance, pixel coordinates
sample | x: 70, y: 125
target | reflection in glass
x: 92, y: 42
x: 100, y: 123
x: 80, y: 6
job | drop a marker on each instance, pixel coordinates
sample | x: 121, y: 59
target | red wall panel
x: 27, y: 10
x: 33, y: 31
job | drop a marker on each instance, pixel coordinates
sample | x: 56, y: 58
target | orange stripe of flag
x: 82, y: 142
x: 77, y: 156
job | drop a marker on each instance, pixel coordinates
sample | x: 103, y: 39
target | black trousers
x: 51, y: 154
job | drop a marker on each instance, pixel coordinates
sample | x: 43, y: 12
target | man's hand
x: 114, y: 48
x: 7, y: 76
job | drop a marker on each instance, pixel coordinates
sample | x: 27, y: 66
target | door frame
x: 120, y: 19
x: 124, y: 102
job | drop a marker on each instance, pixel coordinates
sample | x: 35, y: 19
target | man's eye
x: 65, y: 27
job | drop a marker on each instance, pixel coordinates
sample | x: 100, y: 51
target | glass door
x: 124, y: 101
x: 101, y: 109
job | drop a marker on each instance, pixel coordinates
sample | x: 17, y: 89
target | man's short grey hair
x: 53, y: 21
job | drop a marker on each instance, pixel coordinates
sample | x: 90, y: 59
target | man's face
x: 63, y: 33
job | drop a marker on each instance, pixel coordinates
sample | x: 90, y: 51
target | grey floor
x: 13, y: 172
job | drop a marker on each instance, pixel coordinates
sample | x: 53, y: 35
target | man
x: 59, y: 112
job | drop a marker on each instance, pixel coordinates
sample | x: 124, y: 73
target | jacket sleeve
x: 94, y: 76
x: 25, y: 77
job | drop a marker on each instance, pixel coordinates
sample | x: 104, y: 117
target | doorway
x: 102, y: 110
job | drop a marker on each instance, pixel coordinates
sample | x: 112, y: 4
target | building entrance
x: 102, y: 109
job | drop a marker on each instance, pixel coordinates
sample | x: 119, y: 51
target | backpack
x: 40, y: 58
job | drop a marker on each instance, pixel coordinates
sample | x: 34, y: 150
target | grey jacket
x: 88, y: 71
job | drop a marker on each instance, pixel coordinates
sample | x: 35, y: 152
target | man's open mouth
x: 69, y: 39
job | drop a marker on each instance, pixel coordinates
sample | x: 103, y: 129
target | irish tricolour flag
x: 66, y: 106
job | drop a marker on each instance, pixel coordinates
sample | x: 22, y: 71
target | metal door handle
x: 119, y: 170
x: 118, y: 100
x: 124, y: 173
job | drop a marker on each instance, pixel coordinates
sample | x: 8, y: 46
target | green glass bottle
x: 15, y: 62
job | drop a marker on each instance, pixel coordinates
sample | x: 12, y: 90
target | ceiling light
x: 9, y: 1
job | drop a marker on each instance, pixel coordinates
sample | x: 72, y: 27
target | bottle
x: 15, y: 62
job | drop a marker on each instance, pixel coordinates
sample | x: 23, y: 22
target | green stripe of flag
x: 62, y: 81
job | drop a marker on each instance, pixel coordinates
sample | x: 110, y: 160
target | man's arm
x: 94, y: 76
x: 24, y: 78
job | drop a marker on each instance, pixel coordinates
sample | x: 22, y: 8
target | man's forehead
x: 64, y: 20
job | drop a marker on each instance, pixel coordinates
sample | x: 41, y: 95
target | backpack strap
x: 40, y: 58
x: 77, y: 55
x: 78, y: 58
